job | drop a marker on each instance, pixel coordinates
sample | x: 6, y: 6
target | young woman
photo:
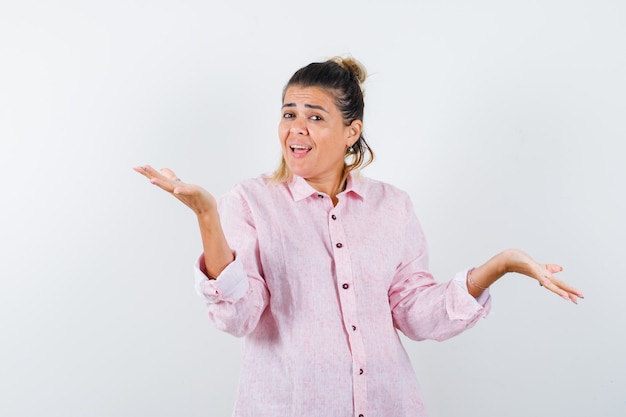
x: 318, y: 267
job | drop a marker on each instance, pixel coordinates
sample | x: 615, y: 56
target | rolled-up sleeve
x: 236, y: 299
x: 461, y: 305
x: 421, y: 307
x: 231, y: 285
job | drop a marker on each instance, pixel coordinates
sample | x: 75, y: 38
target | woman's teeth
x: 300, y: 148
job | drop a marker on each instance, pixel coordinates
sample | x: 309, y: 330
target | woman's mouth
x: 300, y: 150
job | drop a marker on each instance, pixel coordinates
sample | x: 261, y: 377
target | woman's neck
x: 329, y: 187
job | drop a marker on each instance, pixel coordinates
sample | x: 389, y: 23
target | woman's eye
x: 288, y: 115
x: 316, y: 118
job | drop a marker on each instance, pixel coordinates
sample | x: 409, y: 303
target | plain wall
x: 504, y: 120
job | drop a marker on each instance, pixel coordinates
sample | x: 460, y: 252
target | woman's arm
x: 217, y: 253
x: 514, y: 260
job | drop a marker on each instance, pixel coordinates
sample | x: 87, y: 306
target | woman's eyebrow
x: 310, y: 106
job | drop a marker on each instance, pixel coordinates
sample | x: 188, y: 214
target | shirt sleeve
x: 230, y: 286
x: 461, y: 280
x: 236, y: 299
x: 423, y: 308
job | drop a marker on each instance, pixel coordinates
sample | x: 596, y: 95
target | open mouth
x: 300, y: 149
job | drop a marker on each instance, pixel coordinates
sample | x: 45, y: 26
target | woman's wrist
x: 209, y: 220
x: 480, y: 278
x: 471, y: 281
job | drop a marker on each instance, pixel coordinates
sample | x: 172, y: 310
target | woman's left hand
x: 520, y: 262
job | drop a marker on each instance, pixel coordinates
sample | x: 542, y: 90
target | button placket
x: 347, y: 299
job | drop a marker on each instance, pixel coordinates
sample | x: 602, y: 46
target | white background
x: 504, y: 120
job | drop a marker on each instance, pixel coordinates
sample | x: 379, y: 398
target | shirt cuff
x: 230, y: 285
x: 465, y: 306
x: 461, y: 280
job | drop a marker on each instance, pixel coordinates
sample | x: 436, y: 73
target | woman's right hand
x: 217, y: 253
x: 193, y: 196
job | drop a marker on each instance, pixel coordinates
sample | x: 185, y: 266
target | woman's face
x: 314, y: 137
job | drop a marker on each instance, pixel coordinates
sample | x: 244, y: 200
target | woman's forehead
x: 308, y: 95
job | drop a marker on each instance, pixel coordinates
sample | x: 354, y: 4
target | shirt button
x: 339, y: 245
x: 333, y: 217
x: 361, y: 415
x: 320, y: 196
x: 345, y: 286
x: 353, y: 328
x: 360, y: 371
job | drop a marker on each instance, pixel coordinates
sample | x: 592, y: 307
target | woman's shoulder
x: 260, y: 186
x: 380, y: 189
x: 384, y: 197
x: 248, y: 195
x: 260, y: 181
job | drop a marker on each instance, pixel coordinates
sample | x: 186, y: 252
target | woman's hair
x: 342, y: 78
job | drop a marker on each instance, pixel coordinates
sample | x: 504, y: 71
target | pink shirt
x: 319, y: 292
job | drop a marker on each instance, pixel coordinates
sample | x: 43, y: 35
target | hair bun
x: 355, y: 67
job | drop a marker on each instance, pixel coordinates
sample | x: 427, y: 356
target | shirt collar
x: 300, y: 189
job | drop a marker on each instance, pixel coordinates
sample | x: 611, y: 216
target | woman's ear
x: 354, y: 131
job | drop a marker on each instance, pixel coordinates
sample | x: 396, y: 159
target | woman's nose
x: 298, y: 127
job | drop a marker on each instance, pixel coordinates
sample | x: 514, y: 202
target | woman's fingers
x: 553, y: 268
x: 175, y: 182
x: 168, y: 173
x: 193, y: 196
x: 165, y: 178
x: 550, y: 283
x: 145, y: 170
x: 557, y: 286
x: 150, y: 173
